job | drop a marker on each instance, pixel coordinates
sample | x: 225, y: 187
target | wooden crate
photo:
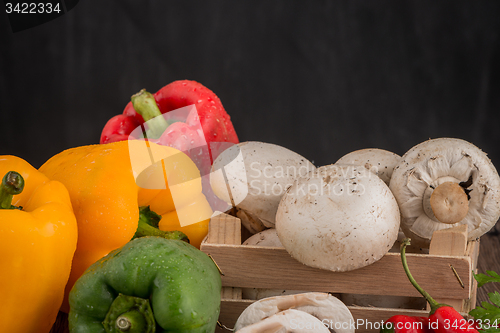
x: 445, y: 273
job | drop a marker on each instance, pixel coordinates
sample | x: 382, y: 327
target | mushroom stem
x: 449, y: 203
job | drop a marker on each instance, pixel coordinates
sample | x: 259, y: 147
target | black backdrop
x: 321, y: 78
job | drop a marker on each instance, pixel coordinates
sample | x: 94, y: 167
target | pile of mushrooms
x: 348, y: 215
x: 442, y: 183
x: 338, y: 217
x: 307, y: 312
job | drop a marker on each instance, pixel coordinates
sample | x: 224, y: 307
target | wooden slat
x: 449, y: 242
x: 473, y: 252
x: 226, y: 229
x: 274, y: 268
x: 452, y: 242
x: 230, y: 310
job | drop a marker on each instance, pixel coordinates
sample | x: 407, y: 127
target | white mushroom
x: 253, y: 176
x: 288, y: 321
x: 443, y: 183
x: 268, y: 237
x: 325, y: 307
x: 339, y: 218
x: 379, y: 161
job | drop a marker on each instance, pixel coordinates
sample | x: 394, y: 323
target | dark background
x: 321, y: 78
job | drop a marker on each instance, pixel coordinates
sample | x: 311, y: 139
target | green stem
x: 129, y: 314
x: 12, y: 184
x: 131, y: 321
x: 145, y: 104
x: 434, y: 305
x: 148, y: 226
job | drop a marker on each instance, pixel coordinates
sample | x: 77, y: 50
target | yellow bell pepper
x: 37, y: 243
x: 102, y: 181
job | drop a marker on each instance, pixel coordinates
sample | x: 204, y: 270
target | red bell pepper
x: 442, y: 317
x: 204, y: 133
x: 214, y: 120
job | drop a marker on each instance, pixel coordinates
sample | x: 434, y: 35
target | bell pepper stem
x: 145, y: 104
x: 129, y: 314
x: 12, y: 184
x: 148, y: 226
x: 131, y: 321
x: 433, y: 304
x: 144, y: 229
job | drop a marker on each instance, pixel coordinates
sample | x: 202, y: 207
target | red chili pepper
x: 442, y: 317
x: 406, y: 324
x: 214, y: 120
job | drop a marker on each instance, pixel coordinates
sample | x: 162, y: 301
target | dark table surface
x: 489, y: 259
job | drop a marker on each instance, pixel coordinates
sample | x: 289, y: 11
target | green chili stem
x: 12, y: 184
x: 144, y: 104
x: 434, y: 305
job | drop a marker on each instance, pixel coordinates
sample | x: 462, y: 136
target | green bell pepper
x: 151, y: 284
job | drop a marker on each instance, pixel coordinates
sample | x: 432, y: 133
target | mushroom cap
x: 323, y: 306
x: 258, y: 175
x: 288, y: 321
x: 268, y: 237
x: 379, y: 161
x: 436, y: 163
x: 339, y: 218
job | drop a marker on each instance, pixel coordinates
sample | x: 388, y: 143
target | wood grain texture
x: 266, y: 267
x: 453, y: 242
x: 473, y: 252
x: 226, y: 229
x: 449, y: 242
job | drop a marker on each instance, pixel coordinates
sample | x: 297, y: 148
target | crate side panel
x: 263, y: 267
